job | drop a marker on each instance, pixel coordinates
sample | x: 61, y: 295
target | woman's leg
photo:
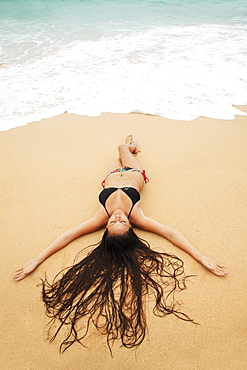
x: 126, y: 156
x: 126, y: 152
x: 116, y: 164
x: 127, y: 159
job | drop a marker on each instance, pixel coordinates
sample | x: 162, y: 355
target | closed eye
x: 122, y: 222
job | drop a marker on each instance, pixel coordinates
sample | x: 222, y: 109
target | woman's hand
x: 27, y: 269
x: 212, y: 266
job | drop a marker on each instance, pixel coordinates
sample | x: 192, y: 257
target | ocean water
x: 174, y: 58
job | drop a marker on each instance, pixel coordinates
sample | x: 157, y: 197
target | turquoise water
x: 177, y: 59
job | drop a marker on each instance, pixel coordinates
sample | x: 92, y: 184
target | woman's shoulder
x: 137, y: 215
x: 101, y: 217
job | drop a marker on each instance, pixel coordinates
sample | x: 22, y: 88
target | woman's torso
x: 125, y: 179
x: 119, y: 199
x: 124, y: 198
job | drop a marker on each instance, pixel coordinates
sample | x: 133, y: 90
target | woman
x: 109, y: 285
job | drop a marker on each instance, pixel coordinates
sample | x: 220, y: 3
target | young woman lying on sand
x: 108, y: 286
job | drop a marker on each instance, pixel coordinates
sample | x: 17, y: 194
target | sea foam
x: 178, y: 71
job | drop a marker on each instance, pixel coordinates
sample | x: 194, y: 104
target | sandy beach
x: 51, y: 173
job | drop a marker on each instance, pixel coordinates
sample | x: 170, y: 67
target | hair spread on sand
x: 107, y: 288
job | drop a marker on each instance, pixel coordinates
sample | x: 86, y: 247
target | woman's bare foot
x: 133, y: 145
x: 129, y: 140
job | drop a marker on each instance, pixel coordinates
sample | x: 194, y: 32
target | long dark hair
x: 108, y: 288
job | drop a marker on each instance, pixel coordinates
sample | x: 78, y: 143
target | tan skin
x: 118, y: 206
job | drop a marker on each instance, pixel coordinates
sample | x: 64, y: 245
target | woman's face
x: 118, y: 223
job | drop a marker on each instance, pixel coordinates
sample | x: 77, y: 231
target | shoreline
x: 51, y: 173
x: 240, y: 108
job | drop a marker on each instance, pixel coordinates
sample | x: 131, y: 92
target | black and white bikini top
x: 132, y: 193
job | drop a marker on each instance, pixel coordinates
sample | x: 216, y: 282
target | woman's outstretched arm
x: 179, y: 240
x: 60, y: 242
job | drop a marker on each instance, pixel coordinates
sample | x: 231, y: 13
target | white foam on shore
x: 177, y: 72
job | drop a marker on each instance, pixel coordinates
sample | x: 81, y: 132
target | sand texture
x: 50, y: 179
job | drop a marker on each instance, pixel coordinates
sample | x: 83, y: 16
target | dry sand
x: 50, y: 177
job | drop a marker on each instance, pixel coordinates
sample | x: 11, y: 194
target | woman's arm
x: 179, y: 240
x: 60, y: 242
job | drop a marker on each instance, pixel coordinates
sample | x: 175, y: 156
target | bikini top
x: 132, y: 193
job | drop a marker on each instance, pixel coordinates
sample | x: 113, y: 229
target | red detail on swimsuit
x: 146, y: 179
x: 123, y: 169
